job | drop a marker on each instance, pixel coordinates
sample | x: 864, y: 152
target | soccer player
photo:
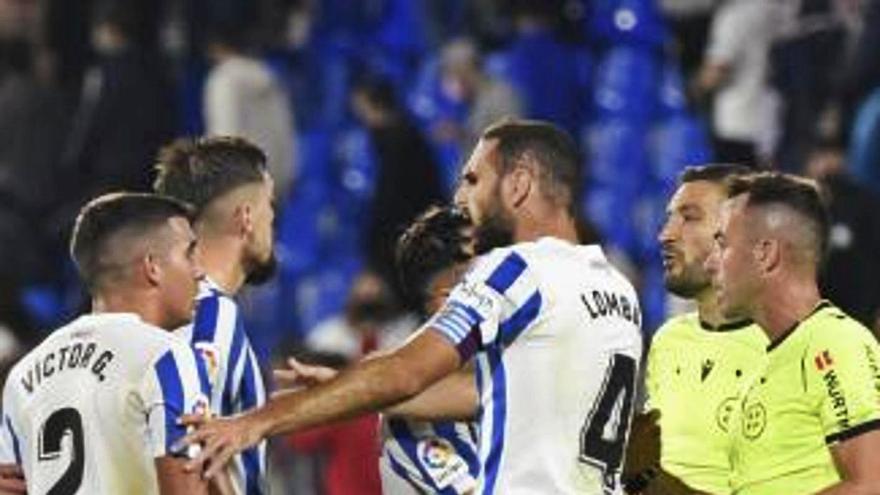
x: 94, y: 408
x: 227, y: 182
x: 554, y: 329
x: 698, y: 361
x: 424, y: 457
x: 810, y: 420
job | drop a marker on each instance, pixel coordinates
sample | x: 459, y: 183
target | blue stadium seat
x: 628, y: 22
x: 676, y: 142
x: 552, y: 77
x: 626, y: 84
x: 429, y: 106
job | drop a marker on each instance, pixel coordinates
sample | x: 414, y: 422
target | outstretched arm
x: 370, y: 385
x: 452, y: 398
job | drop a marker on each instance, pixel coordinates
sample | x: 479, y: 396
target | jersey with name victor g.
x: 90, y: 409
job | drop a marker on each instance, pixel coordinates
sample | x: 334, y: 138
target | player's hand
x: 220, y: 439
x: 12, y: 480
x: 298, y: 374
x: 643, y: 449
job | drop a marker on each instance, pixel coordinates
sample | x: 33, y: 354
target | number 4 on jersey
x: 604, y: 434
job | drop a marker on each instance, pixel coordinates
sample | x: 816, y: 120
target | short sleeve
x: 176, y: 385
x: 842, y: 371
x: 10, y: 448
x: 10, y: 444
x: 494, y: 303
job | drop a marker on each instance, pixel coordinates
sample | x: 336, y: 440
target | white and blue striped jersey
x: 555, y: 331
x: 89, y: 409
x: 428, y: 458
x: 217, y: 334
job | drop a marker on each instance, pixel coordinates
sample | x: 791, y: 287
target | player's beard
x: 690, y: 282
x: 261, y: 272
x: 496, y: 230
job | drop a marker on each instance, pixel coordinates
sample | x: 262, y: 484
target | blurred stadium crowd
x: 366, y: 109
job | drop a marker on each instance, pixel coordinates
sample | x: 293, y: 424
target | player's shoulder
x: 216, y: 315
x: 829, y: 325
x: 678, y: 326
x: 511, y: 261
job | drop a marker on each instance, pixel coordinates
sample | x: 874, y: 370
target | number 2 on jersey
x: 60, y: 423
x: 603, y: 436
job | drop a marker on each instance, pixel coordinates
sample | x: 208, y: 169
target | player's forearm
x: 452, y: 398
x: 369, y: 386
x: 174, y: 480
x: 853, y: 488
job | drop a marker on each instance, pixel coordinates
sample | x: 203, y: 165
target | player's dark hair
x: 201, y: 170
x: 553, y: 150
x: 113, y: 214
x: 435, y: 241
x: 716, y: 173
x: 795, y: 193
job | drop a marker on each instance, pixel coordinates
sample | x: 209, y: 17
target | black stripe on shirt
x: 853, y: 432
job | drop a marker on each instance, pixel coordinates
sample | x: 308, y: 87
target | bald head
x: 788, y: 209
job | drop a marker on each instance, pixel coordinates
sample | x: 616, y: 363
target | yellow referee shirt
x: 695, y: 374
x: 821, y: 385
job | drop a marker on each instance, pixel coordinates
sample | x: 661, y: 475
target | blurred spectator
x: 689, y: 22
x: 864, y: 146
x: 243, y: 98
x: 862, y: 74
x: 34, y: 120
x: 349, y: 452
x: 806, y: 68
x: 851, y: 277
x: 735, y: 71
x: 552, y: 77
x: 407, y: 180
x: 486, y: 99
x: 125, y: 109
x: 372, y: 321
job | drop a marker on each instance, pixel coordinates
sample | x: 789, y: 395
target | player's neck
x: 532, y: 228
x: 784, y: 306
x: 221, y: 263
x: 707, y: 308
x: 122, y: 301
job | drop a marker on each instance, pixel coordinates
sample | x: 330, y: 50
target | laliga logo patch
x: 211, y: 356
x: 435, y: 452
x: 442, y: 464
x: 201, y: 406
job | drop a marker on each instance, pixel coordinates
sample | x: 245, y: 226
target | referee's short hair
x: 716, y: 173
x: 114, y: 216
x: 797, y: 194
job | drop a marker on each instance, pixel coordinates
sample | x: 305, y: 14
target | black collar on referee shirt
x: 726, y: 327
x: 819, y: 307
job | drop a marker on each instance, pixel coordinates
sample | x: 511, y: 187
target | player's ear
x: 521, y: 181
x: 768, y: 253
x: 151, y: 268
x: 244, y: 219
